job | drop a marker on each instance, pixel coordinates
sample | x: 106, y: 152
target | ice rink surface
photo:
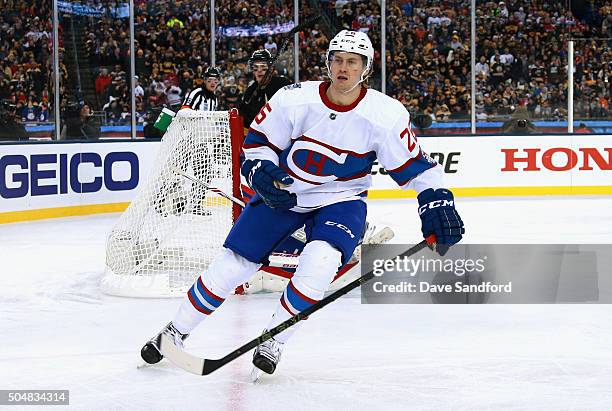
x: 60, y: 332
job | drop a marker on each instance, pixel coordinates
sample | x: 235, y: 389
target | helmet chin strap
x: 364, y: 76
x: 352, y: 88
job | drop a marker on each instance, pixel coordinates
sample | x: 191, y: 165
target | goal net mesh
x: 173, y: 228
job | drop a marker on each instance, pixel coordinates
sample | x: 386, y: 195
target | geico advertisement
x: 517, y: 161
x: 57, y: 175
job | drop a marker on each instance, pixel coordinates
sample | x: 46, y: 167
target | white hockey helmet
x: 352, y: 42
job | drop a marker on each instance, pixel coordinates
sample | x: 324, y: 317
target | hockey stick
x: 203, y: 366
x: 298, y: 235
x: 283, y: 47
x: 212, y: 188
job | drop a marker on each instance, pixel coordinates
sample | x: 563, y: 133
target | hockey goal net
x: 173, y: 228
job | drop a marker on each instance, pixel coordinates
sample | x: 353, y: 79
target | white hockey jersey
x: 329, y: 149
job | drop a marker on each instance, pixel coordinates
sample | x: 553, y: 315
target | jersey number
x: 262, y: 113
x: 410, y: 137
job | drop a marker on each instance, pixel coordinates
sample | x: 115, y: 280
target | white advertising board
x: 42, y: 176
x: 104, y: 177
x: 500, y: 162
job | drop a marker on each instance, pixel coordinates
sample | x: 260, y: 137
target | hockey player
x: 309, y: 154
x: 251, y: 103
x: 253, y: 99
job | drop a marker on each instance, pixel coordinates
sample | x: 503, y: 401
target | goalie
x: 309, y: 153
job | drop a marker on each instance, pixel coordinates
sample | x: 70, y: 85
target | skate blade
x: 256, y: 373
x: 143, y: 364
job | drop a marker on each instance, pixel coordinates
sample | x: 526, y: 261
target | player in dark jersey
x: 254, y: 99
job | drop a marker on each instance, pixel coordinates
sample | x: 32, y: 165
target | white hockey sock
x: 279, y: 316
x: 187, y: 318
x: 209, y: 291
x: 199, y: 303
x: 319, y: 263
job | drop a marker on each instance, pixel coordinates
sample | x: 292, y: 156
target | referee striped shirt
x: 201, y: 99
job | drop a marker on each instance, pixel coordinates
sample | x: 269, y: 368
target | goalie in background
x: 253, y: 99
x: 309, y: 156
x: 251, y: 103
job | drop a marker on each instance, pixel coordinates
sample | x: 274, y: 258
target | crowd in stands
x: 173, y: 42
x: 521, y: 54
x: 351, y: 15
x: 172, y: 52
x: 25, y: 57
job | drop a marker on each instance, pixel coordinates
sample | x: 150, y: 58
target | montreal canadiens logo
x: 315, y: 163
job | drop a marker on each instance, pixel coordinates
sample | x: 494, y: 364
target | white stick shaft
x: 210, y: 187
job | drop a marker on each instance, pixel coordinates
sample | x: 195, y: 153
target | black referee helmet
x: 212, y: 72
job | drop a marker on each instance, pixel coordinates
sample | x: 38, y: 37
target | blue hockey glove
x: 439, y: 217
x: 261, y: 175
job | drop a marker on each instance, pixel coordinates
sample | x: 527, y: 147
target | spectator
x: 43, y: 114
x: 30, y: 112
x: 112, y: 111
x: 271, y: 46
x: 520, y: 52
x: 80, y: 124
x: 507, y: 58
x: 427, y: 52
x: 103, y: 81
x: 138, y: 90
x: 482, y: 67
x: 173, y: 94
x: 582, y: 129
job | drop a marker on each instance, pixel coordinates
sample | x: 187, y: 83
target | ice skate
x: 151, y: 353
x: 266, y: 357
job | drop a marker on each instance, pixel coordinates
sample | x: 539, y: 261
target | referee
x: 204, y: 99
x: 206, y: 152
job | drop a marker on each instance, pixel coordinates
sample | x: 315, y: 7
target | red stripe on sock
x: 299, y: 294
x: 210, y: 293
x: 195, y: 305
x: 284, y: 304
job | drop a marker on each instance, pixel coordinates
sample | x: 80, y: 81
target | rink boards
x: 516, y: 165
x: 56, y: 180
